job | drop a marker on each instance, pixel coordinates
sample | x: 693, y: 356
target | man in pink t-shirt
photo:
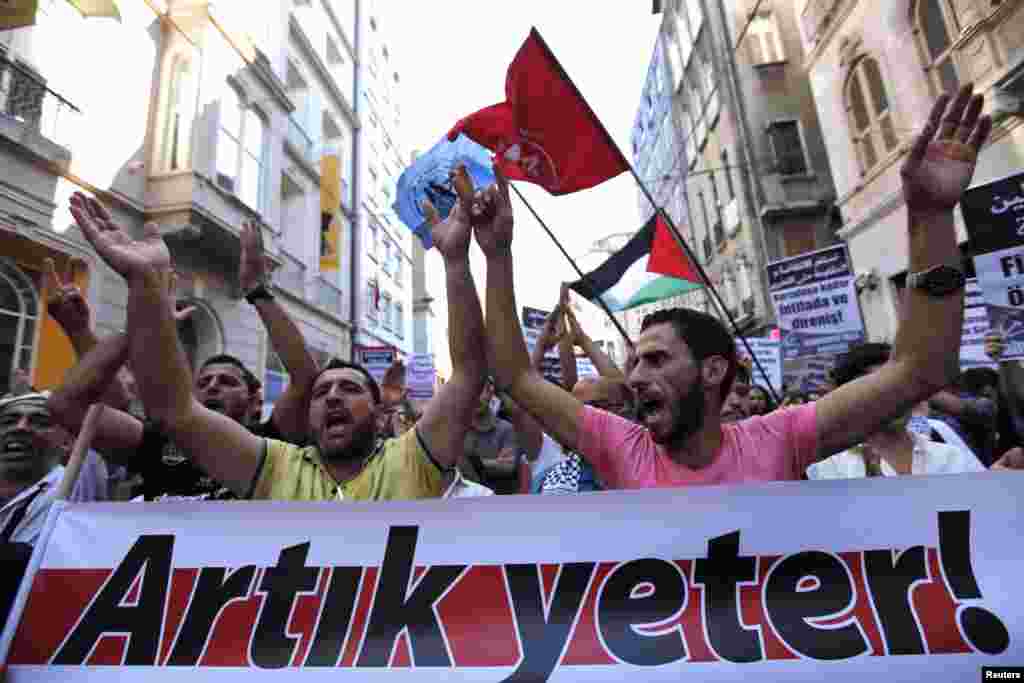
x: 686, y: 360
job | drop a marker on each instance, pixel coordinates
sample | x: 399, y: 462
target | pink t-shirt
x: 773, y: 447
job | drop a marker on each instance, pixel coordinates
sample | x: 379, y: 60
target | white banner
x: 972, y: 341
x: 816, y: 303
x: 421, y: 377
x: 918, y: 580
x: 768, y: 353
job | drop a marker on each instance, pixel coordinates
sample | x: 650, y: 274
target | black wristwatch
x: 938, y: 280
x: 260, y: 291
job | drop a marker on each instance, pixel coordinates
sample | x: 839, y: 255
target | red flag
x: 667, y: 257
x: 544, y: 132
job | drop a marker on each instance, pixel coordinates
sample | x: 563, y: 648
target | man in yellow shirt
x: 342, y: 462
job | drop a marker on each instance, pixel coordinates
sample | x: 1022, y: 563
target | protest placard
x: 377, y: 360
x: 972, y: 341
x: 994, y: 217
x: 421, y: 377
x: 717, y: 583
x: 816, y: 303
x: 769, y: 354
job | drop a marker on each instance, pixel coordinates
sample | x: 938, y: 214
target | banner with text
x: 745, y: 582
x: 377, y: 360
x: 972, y: 341
x: 994, y: 218
x: 533, y: 323
x: 808, y: 374
x: 769, y: 354
x: 816, y: 303
x: 421, y: 377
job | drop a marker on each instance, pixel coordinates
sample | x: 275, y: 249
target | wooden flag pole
x: 78, y: 452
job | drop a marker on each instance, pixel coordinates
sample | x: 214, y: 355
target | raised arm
x: 448, y: 416
x: 291, y: 410
x: 226, y: 450
x: 937, y: 170
x: 557, y: 410
x: 604, y: 365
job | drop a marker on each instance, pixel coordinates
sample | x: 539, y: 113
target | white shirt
x: 31, y: 525
x: 930, y: 457
x: 551, y: 453
x: 464, y: 488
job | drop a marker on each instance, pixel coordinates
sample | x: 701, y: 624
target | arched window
x: 937, y: 26
x: 178, y: 118
x: 867, y: 106
x: 19, y: 307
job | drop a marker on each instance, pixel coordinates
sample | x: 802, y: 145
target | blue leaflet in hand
x: 427, y: 178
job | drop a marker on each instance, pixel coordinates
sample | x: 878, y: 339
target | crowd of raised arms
x: 682, y: 412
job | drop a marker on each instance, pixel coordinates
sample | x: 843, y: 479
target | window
x: 398, y: 265
x: 937, y: 26
x: 371, y: 301
x: 788, y: 146
x: 387, y: 257
x: 240, y: 149
x: 178, y: 120
x: 729, y: 190
x: 867, y: 106
x: 399, y: 320
x: 18, y: 318
x: 763, y: 40
x: 385, y: 309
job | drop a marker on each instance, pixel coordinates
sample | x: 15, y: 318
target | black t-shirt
x: 168, y: 474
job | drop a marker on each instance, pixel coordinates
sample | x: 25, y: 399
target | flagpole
x: 707, y: 281
x: 668, y: 219
x: 579, y: 272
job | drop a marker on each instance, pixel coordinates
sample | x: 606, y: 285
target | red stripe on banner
x: 109, y: 651
x: 478, y: 620
x: 131, y: 598
x: 183, y: 582
x: 306, y: 615
x: 401, y: 657
x: 861, y: 610
x: 361, y: 616
x: 229, y: 640
x: 548, y: 574
x: 753, y: 613
x: 585, y: 644
x: 692, y: 618
x: 936, y: 610
x: 57, y: 600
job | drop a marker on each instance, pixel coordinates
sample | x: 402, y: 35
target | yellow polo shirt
x: 400, y: 469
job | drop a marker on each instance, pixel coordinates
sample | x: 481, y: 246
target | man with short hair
x: 686, y: 360
x: 343, y: 461
x: 734, y: 408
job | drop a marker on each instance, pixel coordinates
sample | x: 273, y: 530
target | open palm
x: 942, y: 160
x: 494, y: 235
x: 452, y: 235
x: 130, y: 258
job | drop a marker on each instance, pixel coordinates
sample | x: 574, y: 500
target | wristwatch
x: 938, y: 280
x: 260, y: 291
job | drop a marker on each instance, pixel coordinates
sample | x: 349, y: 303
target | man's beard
x: 360, y: 447
x: 687, y: 416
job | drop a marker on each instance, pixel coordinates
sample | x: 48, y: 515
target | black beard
x: 687, y: 416
x: 361, y: 447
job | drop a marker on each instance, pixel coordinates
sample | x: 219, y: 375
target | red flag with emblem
x: 544, y: 132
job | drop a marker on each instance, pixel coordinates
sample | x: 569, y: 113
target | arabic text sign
x: 421, y: 377
x: 816, y: 303
x: 377, y: 360
x: 769, y: 355
x: 187, y: 587
x: 994, y: 217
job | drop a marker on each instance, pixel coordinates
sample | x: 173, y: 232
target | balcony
x: 328, y: 296
x: 719, y: 232
x: 33, y: 115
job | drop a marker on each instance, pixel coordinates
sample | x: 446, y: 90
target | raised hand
x: 172, y: 286
x: 252, y: 263
x: 941, y: 161
x: 553, y: 330
x: 65, y: 302
x: 576, y: 333
x: 392, y: 387
x: 494, y: 231
x: 130, y: 258
x: 451, y: 236
x: 1013, y: 459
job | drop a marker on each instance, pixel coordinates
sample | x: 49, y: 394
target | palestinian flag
x: 651, y: 267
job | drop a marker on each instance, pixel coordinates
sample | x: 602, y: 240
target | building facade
x: 728, y: 141
x: 384, y: 270
x: 876, y: 69
x: 193, y: 116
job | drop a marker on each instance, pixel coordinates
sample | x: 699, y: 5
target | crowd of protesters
x: 684, y: 410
